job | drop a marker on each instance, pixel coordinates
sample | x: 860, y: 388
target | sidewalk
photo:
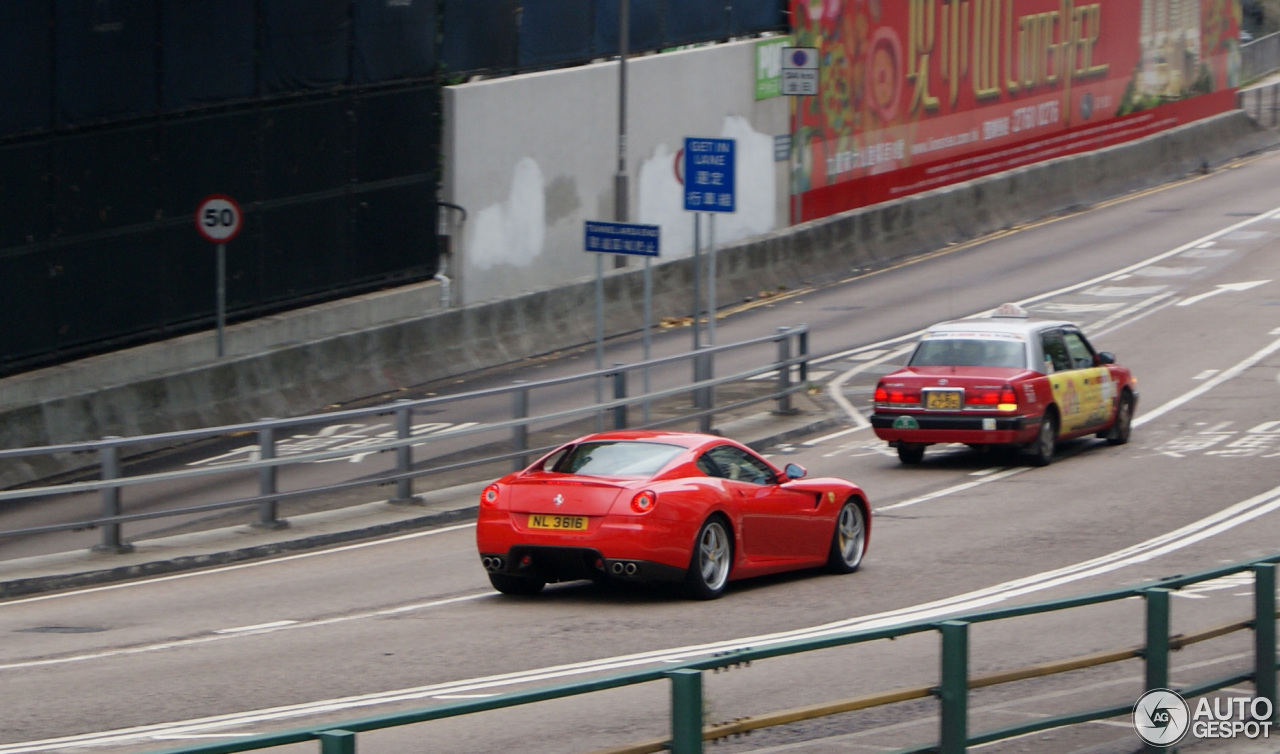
x: 756, y: 427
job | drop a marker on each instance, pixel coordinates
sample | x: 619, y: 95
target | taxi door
x: 1076, y: 380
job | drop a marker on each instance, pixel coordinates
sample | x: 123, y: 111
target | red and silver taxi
x: 1005, y: 380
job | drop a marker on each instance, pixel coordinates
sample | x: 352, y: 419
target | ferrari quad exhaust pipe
x: 491, y: 563
x: 617, y: 569
x: 628, y: 569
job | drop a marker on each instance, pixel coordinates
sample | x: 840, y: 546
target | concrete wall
x: 533, y: 157
x: 303, y: 377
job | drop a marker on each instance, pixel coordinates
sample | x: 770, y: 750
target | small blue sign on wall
x: 709, y: 175
x: 622, y: 238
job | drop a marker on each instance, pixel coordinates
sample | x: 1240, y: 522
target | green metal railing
x: 688, y: 733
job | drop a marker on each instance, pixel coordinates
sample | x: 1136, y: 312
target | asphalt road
x: 399, y: 623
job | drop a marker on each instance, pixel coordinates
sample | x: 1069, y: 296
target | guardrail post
x: 1157, y: 651
x: 520, y: 432
x: 803, y: 354
x: 109, y: 459
x: 619, y: 393
x: 268, y: 510
x: 686, y: 711
x: 1264, y: 632
x: 954, y: 692
x: 703, y: 397
x: 404, y: 453
x: 337, y: 742
x: 784, y: 372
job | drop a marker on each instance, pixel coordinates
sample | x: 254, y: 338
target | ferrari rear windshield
x: 957, y: 352
x: 618, y: 458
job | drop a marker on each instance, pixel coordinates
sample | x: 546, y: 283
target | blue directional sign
x: 622, y: 238
x: 708, y: 175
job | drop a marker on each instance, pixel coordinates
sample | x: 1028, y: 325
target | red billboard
x: 917, y: 94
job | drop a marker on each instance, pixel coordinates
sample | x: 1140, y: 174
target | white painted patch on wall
x: 513, y: 231
x: 660, y: 196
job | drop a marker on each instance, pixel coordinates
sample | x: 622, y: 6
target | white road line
x: 236, y: 567
x: 1222, y: 288
x: 995, y: 476
x: 1206, y: 374
x: 259, y: 627
x: 1208, y: 385
x: 224, y: 634
x: 1224, y: 520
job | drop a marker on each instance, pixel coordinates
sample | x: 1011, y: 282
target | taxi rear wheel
x: 1046, y: 442
x: 910, y: 454
x: 1123, y: 425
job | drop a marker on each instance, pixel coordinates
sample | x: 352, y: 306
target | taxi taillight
x: 1003, y: 398
x: 897, y: 395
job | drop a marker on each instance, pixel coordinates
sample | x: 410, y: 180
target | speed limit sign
x: 218, y: 218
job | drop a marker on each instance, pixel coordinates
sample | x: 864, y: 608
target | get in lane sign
x: 709, y: 175
x: 622, y: 238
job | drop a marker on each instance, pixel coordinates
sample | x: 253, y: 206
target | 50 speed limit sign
x: 218, y: 218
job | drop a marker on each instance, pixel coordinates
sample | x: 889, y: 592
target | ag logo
x: 905, y: 422
x: 1161, y: 717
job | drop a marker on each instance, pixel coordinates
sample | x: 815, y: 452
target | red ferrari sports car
x: 693, y: 509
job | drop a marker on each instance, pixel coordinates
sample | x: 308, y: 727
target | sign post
x: 218, y: 219
x: 799, y: 79
x: 621, y: 238
x: 709, y: 186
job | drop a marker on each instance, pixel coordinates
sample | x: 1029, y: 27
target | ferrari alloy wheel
x: 1119, y: 434
x: 910, y: 453
x: 517, y: 585
x: 709, y: 565
x: 1046, y: 441
x: 849, y: 541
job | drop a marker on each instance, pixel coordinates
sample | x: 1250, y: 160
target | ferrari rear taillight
x: 896, y: 395
x: 644, y: 501
x: 489, y: 498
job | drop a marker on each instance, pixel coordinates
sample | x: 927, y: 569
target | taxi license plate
x: 558, y: 523
x: 943, y: 400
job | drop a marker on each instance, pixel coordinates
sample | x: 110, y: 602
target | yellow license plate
x: 944, y: 400
x: 559, y: 523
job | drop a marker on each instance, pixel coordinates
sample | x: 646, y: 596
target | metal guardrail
x: 792, y: 357
x: 1261, y: 102
x: 1259, y: 57
x: 688, y: 732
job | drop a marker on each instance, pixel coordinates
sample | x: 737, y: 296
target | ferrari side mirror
x: 794, y: 471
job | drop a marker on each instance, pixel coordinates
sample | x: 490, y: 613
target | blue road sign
x: 622, y: 238
x: 708, y: 175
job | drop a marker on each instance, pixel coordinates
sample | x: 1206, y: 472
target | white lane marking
x: 835, y: 388
x: 1275, y: 331
x: 1160, y: 271
x: 266, y: 628
x: 993, y: 477
x: 258, y: 627
x: 463, y: 696
x: 1222, y: 288
x: 1128, y: 314
x: 1208, y: 385
x: 1236, y: 515
x: 236, y: 567
x: 1206, y: 244
x: 1116, y: 291
x: 1206, y: 374
x: 832, y: 436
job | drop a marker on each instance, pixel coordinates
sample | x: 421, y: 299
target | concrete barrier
x: 165, y: 386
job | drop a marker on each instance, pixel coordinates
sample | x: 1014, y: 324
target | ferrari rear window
x: 616, y: 458
x: 956, y: 352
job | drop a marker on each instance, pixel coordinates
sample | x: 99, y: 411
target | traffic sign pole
x: 222, y: 297
x: 218, y: 220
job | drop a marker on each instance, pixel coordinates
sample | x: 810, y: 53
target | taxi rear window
x: 959, y: 352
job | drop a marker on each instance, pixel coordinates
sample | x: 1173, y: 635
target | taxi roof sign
x: 1011, y: 310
